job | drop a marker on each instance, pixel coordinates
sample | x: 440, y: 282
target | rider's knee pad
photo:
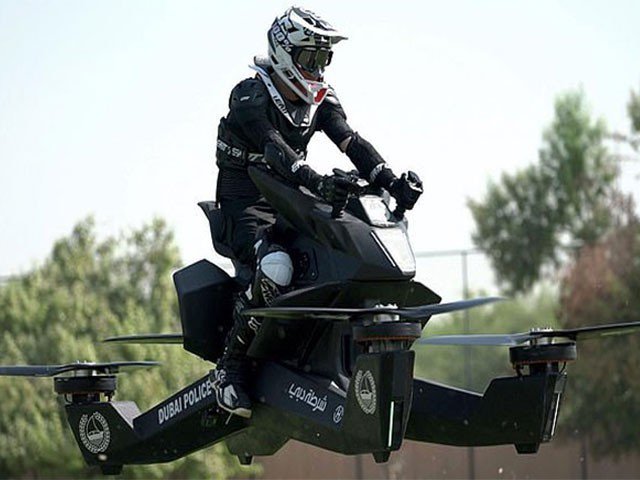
x: 277, y: 267
x: 273, y: 273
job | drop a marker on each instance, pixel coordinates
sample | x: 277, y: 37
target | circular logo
x: 94, y: 432
x: 338, y: 413
x: 365, y: 389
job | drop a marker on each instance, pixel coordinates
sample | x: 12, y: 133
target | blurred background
x: 522, y: 118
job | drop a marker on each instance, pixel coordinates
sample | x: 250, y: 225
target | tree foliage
x: 603, y: 286
x: 570, y: 197
x: 527, y: 218
x: 85, y: 291
x: 633, y: 110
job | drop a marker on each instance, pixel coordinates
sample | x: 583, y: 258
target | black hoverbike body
x: 333, y: 361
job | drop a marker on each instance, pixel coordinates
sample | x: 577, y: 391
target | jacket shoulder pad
x: 249, y: 93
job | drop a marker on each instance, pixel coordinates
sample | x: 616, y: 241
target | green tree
x: 631, y: 139
x: 633, y: 109
x: 527, y: 218
x: 602, y: 286
x: 601, y: 279
x: 85, y: 291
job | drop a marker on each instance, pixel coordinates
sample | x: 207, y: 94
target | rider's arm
x: 333, y: 121
x: 248, y: 103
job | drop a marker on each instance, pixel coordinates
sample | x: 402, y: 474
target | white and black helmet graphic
x: 300, y: 43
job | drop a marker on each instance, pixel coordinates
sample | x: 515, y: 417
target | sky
x: 110, y: 108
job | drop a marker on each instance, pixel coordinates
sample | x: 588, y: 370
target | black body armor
x: 259, y: 115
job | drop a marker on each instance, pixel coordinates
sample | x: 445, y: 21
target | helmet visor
x: 312, y: 60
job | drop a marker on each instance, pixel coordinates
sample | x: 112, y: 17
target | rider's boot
x: 232, y: 370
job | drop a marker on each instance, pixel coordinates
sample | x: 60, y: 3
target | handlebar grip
x: 399, y: 212
x: 336, y: 211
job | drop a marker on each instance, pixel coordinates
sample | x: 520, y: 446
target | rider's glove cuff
x: 384, y: 178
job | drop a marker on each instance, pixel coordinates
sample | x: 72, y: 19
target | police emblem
x: 365, y: 388
x: 94, y: 432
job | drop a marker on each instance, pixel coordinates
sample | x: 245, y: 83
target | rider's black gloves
x: 406, y: 190
x: 334, y: 189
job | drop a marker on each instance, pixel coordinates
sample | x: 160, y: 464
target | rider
x: 271, y: 119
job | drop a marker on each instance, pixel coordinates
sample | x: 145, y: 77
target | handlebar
x: 399, y: 212
x: 355, y: 189
x: 336, y: 210
x: 358, y: 189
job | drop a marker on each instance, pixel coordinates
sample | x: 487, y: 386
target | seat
x: 218, y: 237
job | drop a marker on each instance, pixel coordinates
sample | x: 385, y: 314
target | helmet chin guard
x: 302, y: 31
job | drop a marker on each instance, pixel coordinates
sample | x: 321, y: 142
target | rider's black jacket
x: 255, y: 120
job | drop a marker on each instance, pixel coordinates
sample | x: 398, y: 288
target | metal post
x: 464, y: 254
x: 358, y: 467
x: 471, y: 463
x: 584, y: 451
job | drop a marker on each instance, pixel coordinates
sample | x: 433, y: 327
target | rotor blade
x: 428, y: 310
x: 149, y: 338
x: 306, y: 312
x: 414, y: 313
x: 119, y: 367
x: 32, y: 370
x: 488, y: 340
x: 53, y: 370
x: 510, y: 340
x: 594, y: 331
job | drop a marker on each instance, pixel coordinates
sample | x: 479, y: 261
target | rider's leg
x: 273, y: 274
x: 230, y: 376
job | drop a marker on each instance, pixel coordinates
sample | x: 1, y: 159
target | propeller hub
x: 387, y: 336
x: 387, y: 316
x: 85, y: 389
x: 542, y: 355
